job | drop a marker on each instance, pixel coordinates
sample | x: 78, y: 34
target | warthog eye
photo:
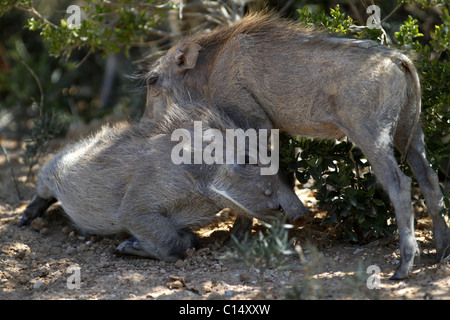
x: 151, y: 78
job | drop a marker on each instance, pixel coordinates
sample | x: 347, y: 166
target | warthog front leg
x: 242, y: 226
x: 154, y: 236
x: 35, y: 209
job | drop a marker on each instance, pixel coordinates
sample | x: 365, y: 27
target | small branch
x: 392, y: 12
x: 286, y: 6
x: 38, y: 83
x: 13, y: 177
x: 163, y: 33
x: 389, y: 15
x: 37, y: 14
x: 84, y: 59
x: 356, y: 170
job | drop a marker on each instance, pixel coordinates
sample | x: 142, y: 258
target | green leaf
x: 378, y: 202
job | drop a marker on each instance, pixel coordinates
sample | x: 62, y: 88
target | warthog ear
x: 186, y: 55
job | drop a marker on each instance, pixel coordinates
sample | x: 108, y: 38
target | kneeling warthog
x: 123, y: 179
x: 271, y: 73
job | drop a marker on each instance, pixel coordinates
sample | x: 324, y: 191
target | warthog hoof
x: 131, y: 246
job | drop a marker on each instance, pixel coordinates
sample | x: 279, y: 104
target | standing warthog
x: 123, y: 180
x: 272, y: 73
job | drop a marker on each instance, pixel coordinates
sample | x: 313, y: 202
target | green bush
x: 48, y: 80
x: 271, y: 248
x: 112, y: 26
x: 356, y: 206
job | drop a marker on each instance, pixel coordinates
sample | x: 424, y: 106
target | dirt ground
x: 51, y: 259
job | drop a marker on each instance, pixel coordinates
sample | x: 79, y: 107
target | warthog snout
x: 297, y: 215
x: 300, y: 216
x: 287, y: 202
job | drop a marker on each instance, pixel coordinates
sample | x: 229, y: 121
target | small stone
x: 229, y: 293
x: 38, y: 284
x: 190, y: 252
x: 200, y: 287
x: 428, y: 296
x: 217, y: 296
x: 71, y: 250
x: 243, y: 277
x: 38, y: 224
x: 21, y: 250
x: 180, y: 264
x: 81, y: 248
x: 177, y: 284
x: 20, y: 255
x: 44, y: 231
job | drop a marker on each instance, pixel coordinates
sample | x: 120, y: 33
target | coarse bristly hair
x: 263, y: 21
x: 183, y: 115
x: 251, y: 24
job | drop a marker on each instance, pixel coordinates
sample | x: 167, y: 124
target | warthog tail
x: 407, y: 63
